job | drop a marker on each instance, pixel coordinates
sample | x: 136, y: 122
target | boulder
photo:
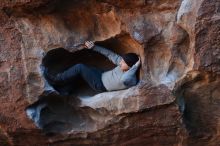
x: 175, y: 102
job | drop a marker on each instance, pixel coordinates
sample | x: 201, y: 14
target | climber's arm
x: 129, y: 77
x: 115, y: 58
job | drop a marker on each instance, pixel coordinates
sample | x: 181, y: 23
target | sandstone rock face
x: 175, y: 102
x: 201, y: 93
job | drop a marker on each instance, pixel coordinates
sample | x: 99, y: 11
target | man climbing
x: 121, y: 77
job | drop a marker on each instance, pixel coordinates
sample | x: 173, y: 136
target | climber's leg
x: 63, y: 78
x: 91, y: 75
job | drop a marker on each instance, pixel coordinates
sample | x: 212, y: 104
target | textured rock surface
x: 178, y: 42
x: 201, y: 92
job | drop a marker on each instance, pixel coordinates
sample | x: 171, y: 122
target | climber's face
x: 123, y: 65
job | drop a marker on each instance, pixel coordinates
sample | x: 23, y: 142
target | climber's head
x: 128, y: 60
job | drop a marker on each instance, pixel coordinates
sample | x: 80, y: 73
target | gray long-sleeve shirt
x: 116, y: 79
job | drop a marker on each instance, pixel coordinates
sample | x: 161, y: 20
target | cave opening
x: 61, y: 113
x: 59, y: 59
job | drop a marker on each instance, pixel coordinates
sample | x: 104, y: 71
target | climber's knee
x: 80, y: 66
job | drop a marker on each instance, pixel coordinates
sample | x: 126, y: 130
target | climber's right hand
x: 89, y: 44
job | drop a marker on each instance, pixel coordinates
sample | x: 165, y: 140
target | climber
x: 121, y: 77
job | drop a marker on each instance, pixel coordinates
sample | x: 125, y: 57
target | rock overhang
x: 63, y: 29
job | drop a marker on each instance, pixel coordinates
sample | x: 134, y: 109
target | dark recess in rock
x: 58, y: 60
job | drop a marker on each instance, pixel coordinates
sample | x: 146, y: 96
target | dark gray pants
x: 90, y: 74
